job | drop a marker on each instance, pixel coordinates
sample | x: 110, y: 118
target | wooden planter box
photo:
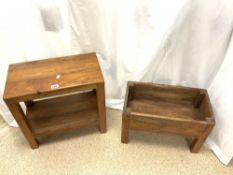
x: 170, y: 109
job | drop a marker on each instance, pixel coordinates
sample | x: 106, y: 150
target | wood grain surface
x: 170, y: 109
x: 34, y: 79
x: 60, y: 94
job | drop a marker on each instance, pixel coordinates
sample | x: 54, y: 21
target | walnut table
x: 60, y: 94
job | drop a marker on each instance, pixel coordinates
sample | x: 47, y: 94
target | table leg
x: 101, y: 107
x: 125, y: 128
x: 198, y: 142
x: 19, y: 116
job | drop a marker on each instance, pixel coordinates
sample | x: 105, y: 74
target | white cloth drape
x: 176, y: 42
x: 26, y: 35
x: 221, y: 139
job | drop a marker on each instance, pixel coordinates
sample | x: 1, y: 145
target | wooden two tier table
x: 60, y: 94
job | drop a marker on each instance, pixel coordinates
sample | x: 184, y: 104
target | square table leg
x: 198, y: 142
x: 125, y: 128
x: 20, y: 117
x: 101, y: 107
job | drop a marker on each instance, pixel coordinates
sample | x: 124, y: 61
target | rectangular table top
x: 35, y: 78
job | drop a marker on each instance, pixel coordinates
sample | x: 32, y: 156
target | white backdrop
x: 23, y: 36
x: 221, y: 139
x: 181, y: 42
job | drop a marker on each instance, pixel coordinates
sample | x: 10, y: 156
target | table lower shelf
x: 61, y: 114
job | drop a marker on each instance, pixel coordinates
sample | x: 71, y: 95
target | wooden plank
x: 100, y: 92
x: 51, y: 93
x: 198, y: 99
x: 62, y: 105
x: 198, y: 142
x: 127, y: 94
x: 55, y: 115
x: 164, y: 108
x: 167, y: 94
x: 125, y: 128
x: 36, y: 77
x: 63, y: 122
x: 185, y: 128
x: 19, y: 116
x: 164, y: 86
